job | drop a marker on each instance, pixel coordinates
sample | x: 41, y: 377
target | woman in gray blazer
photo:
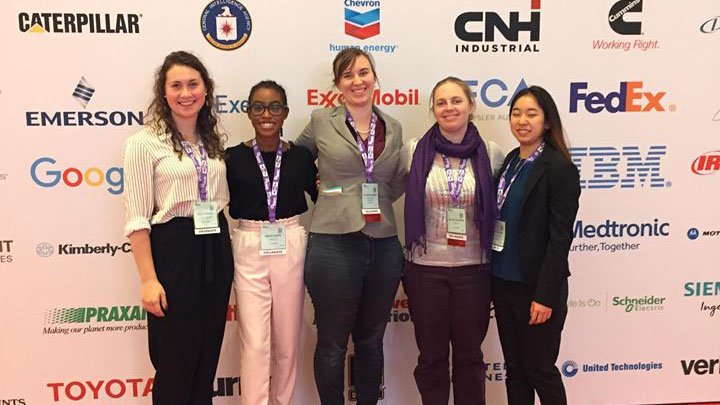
x: 354, y: 259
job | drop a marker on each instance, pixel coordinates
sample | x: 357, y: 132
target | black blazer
x: 545, y: 232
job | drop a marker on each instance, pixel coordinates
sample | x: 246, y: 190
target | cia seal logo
x: 226, y: 24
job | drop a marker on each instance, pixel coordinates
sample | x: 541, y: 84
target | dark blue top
x: 506, y: 264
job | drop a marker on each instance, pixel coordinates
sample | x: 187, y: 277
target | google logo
x: 74, y: 177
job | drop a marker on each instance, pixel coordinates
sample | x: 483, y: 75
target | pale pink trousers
x: 270, y: 294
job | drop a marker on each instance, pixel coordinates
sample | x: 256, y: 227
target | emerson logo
x: 83, y: 93
x: 226, y: 24
x: 626, y: 167
x: 488, y: 27
x: 79, y: 23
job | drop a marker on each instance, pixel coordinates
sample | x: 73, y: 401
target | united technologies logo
x: 570, y: 368
x: 362, y: 24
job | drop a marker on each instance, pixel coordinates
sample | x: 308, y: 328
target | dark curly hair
x: 161, y: 115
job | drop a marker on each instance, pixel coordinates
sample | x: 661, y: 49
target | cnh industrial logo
x: 570, y: 368
x: 488, y: 26
x: 332, y: 98
x: 5, y: 256
x: 83, y: 93
x: 79, y: 23
x: 362, y: 18
x: 630, y: 97
x: 707, y: 163
x: 44, y: 173
x: 618, y: 14
x: 701, y: 366
x: 226, y: 24
x: 624, y: 167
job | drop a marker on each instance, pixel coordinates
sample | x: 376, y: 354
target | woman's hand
x: 539, y: 313
x: 153, y: 297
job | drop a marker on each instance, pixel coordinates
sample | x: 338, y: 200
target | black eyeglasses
x: 274, y: 108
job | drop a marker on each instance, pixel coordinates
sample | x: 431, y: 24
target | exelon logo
x: 630, y: 97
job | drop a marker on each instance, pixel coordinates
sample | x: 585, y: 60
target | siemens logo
x: 702, y: 288
x: 84, y: 118
x: 613, y: 229
x: 609, y: 167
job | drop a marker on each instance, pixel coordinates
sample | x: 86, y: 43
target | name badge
x: 370, y: 202
x: 272, y: 240
x: 498, y: 242
x: 205, y: 217
x: 457, y: 230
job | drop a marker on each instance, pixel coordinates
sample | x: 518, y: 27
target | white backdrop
x: 645, y: 290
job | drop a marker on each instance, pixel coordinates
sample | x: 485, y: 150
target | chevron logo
x: 362, y: 25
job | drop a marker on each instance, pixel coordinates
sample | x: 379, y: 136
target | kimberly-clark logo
x: 707, y: 163
x: 570, y: 368
x: 83, y: 93
x: 68, y: 249
x: 488, y: 26
x: 613, y: 236
x: 630, y: 97
x: 362, y: 18
x: 226, y: 24
x: 626, y: 167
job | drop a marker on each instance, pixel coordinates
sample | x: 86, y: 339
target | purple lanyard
x: 270, y: 191
x: 201, y: 166
x: 368, y: 156
x: 503, y: 190
x: 455, y: 187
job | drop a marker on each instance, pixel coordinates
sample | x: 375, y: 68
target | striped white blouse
x: 159, y: 186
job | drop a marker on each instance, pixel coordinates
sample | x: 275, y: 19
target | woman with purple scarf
x: 450, y: 214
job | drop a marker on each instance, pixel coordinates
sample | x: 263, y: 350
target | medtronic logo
x: 83, y: 93
x: 710, y: 26
x: 629, y: 98
x: 226, y: 24
x: 707, y: 163
x: 613, y: 229
x: 362, y: 24
x: 73, y: 177
x: 495, y: 92
x: 493, y: 22
x: 617, y: 15
x: 603, y: 167
x: 693, y: 233
x: 569, y: 368
x: 79, y: 23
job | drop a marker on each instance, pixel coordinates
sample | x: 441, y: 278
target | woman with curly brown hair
x: 175, y: 191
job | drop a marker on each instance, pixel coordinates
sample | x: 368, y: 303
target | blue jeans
x: 352, y: 280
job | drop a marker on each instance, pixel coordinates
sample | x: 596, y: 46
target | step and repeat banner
x: 637, y: 84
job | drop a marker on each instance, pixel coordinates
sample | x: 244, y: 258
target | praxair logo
x: 226, y: 24
x: 362, y: 18
x: 72, y: 321
x: 79, y: 23
x: 622, y: 9
x: 629, y: 98
x: 614, y: 236
x: 83, y: 93
x: 46, y: 250
x: 74, y: 177
x: 331, y: 98
x: 626, y: 167
x: 570, y: 368
x: 467, y: 29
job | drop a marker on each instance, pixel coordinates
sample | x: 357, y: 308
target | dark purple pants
x: 449, y: 306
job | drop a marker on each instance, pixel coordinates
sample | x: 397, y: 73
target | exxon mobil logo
x: 604, y: 167
x: 362, y: 18
x: 707, y: 163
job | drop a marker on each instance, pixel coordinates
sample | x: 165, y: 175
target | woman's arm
x: 152, y: 292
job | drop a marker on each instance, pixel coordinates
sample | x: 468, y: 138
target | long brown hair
x: 553, y: 132
x: 161, y: 115
x: 346, y: 58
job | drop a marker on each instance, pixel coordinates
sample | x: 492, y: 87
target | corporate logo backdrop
x: 226, y: 24
x: 500, y: 32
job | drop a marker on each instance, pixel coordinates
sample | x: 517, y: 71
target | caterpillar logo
x: 79, y: 23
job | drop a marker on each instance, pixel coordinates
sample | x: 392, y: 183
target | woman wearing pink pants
x: 267, y: 179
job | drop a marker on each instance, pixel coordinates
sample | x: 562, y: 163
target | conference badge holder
x: 457, y: 230
x: 370, y: 202
x: 205, y: 217
x: 273, y: 240
x: 498, y: 242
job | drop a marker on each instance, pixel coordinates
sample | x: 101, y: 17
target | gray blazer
x: 340, y: 165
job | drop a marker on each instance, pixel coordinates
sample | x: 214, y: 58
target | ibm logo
x: 626, y: 167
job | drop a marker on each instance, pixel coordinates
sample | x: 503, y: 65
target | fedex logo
x: 630, y: 98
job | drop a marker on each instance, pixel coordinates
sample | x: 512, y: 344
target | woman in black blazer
x: 537, y: 197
